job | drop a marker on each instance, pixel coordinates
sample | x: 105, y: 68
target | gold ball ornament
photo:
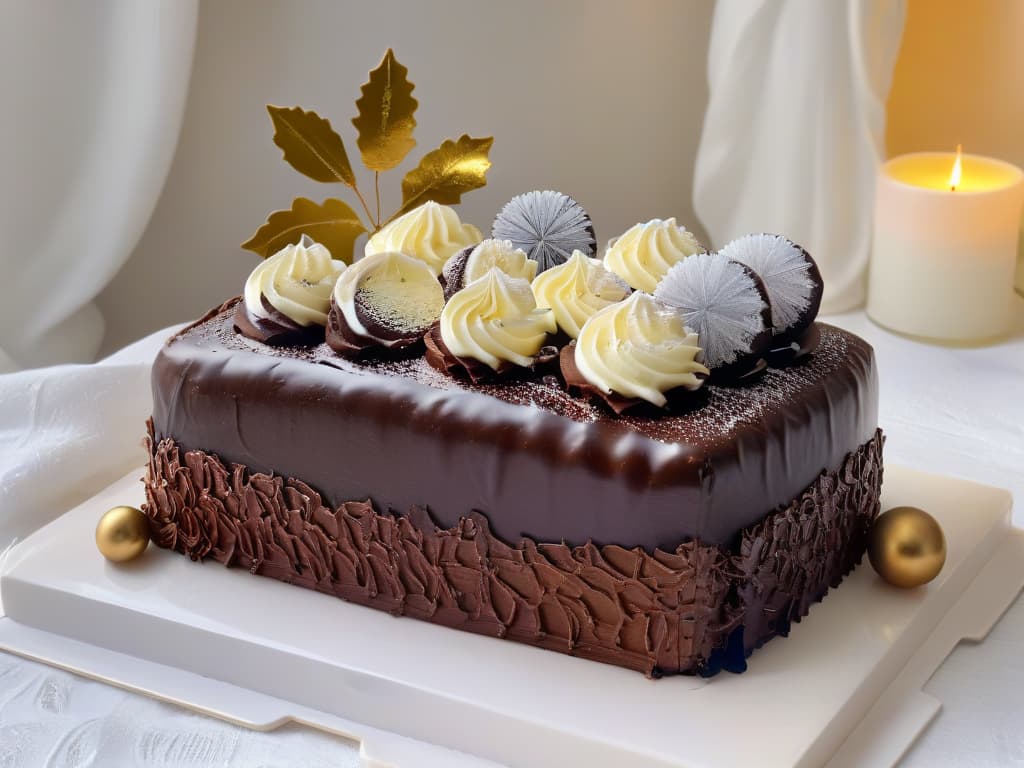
x: 122, y: 534
x: 906, y: 547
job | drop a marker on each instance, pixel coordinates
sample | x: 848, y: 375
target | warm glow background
x: 960, y: 79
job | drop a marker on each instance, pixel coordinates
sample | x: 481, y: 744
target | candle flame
x: 954, y: 176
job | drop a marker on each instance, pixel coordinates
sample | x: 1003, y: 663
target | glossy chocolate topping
x: 538, y: 461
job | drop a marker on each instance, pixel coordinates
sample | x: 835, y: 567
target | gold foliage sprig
x: 385, y: 125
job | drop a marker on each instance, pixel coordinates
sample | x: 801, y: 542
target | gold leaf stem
x: 366, y: 208
x: 376, y: 184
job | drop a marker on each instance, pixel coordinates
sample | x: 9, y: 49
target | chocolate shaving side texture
x: 791, y: 558
x: 698, y: 609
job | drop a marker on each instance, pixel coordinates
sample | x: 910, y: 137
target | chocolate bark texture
x: 544, y: 463
x: 696, y: 609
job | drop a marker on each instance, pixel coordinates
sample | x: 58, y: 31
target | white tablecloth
x: 956, y: 411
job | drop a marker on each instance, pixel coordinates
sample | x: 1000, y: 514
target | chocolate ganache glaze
x: 539, y: 462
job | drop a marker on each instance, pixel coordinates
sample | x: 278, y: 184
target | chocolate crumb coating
x: 695, y: 608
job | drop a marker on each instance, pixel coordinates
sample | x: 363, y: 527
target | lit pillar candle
x: 945, y: 246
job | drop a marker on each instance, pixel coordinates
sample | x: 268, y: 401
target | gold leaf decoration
x: 385, y: 122
x: 334, y: 224
x: 311, y: 145
x: 446, y: 173
x: 385, y: 125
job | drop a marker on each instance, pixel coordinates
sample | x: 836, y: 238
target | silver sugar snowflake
x: 720, y: 300
x: 548, y: 225
x: 785, y: 269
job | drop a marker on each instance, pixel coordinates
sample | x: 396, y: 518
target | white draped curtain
x: 93, y: 96
x: 795, y: 128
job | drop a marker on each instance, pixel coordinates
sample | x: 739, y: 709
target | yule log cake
x: 651, y: 456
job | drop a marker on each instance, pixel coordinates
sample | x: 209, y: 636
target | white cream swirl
x: 644, y: 253
x: 431, y: 233
x: 399, y: 292
x: 639, y: 348
x: 296, y: 281
x: 501, y: 254
x: 577, y: 289
x: 494, y: 320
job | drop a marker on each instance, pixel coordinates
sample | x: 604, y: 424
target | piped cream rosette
x: 431, y: 233
x: 296, y: 281
x: 472, y: 263
x: 645, y: 252
x: 387, y: 299
x: 639, y: 348
x: 576, y: 290
x: 495, y: 320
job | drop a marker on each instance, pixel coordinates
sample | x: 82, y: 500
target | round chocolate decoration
x: 384, y: 300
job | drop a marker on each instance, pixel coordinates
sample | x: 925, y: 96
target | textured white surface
x: 52, y: 718
x: 945, y: 410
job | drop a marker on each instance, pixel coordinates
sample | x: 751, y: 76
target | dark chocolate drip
x: 695, y: 608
